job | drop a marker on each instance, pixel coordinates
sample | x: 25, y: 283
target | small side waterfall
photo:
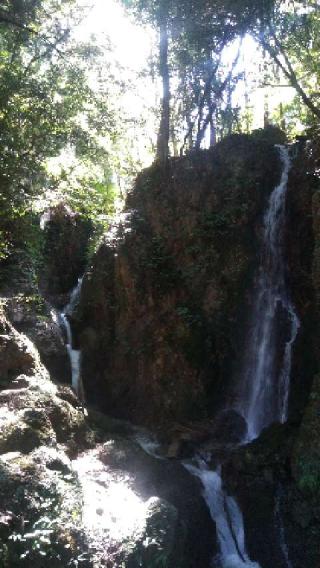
x: 266, y: 379
x: 74, y: 354
x: 265, y: 383
x: 280, y: 527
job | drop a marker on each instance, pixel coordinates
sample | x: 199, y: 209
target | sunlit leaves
x: 48, y: 103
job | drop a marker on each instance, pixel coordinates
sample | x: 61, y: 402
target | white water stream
x: 265, y: 387
x: 266, y: 383
x: 74, y: 354
x: 280, y: 527
x: 227, y: 517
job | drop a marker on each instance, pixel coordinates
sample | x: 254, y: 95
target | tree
x: 158, y: 13
x: 290, y: 35
x: 164, y: 129
x: 193, y: 35
x: 47, y: 107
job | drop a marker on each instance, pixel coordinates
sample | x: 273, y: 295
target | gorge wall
x: 165, y: 303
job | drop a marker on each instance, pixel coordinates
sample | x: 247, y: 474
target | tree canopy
x: 49, y: 108
x: 197, y: 83
x: 64, y: 134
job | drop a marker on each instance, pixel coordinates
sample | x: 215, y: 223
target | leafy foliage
x: 50, y: 107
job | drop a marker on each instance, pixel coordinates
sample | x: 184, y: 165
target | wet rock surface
x: 33, y: 316
x: 164, y: 301
x: 260, y: 476
x: 56, y: 482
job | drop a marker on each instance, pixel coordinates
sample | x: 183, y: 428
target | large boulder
x: 164, y: 303
x: 143, y: 510
x: 35, y: 317
x: 66, y: 242
x: 281, y: 524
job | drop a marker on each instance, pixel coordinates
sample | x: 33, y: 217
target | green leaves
x: 49, y: 105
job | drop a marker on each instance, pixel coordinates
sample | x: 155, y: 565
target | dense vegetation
x: 50, y: 111
x: 62, y: 132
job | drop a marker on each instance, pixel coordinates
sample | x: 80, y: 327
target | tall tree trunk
x: 164, y: 129
x: 288, y: 71
x: 213, y: 132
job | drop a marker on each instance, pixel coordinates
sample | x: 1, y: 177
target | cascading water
x: 227, y: 517
x: 280, y: 527
x: 74, y: 354
x: 264, y: 396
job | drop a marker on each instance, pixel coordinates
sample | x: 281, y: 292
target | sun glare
x: 132, y: 44
x: 110, y: 506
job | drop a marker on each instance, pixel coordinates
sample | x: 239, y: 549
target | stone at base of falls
x: 215, y: 436
x: 175, y: 511
x: 229, y: 427
x: 254, y: 474
x: 306, y: 456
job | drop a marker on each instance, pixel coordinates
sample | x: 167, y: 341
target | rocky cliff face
x: 276, y: 478
x: 165, y: 302
x: 161, y: 325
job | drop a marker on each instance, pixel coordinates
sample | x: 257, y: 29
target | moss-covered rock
x: 163, y: 304
x: 40, y: 497
x: 40, y: 510
x: 66, y: 242
x: 306, y: 455
x: 35, y: 317
x: 162, y: 541
x: 17, y: 355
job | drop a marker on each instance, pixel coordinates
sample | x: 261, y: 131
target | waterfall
x: 280, y: 527
x: 265, y: 383
x: 74, y: 354
x: 227, y: 516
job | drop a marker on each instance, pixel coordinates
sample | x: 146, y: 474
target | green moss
x: 270, y: 134
x: 184, y: 262
x: 306, y: 457
x: 191, y: 334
